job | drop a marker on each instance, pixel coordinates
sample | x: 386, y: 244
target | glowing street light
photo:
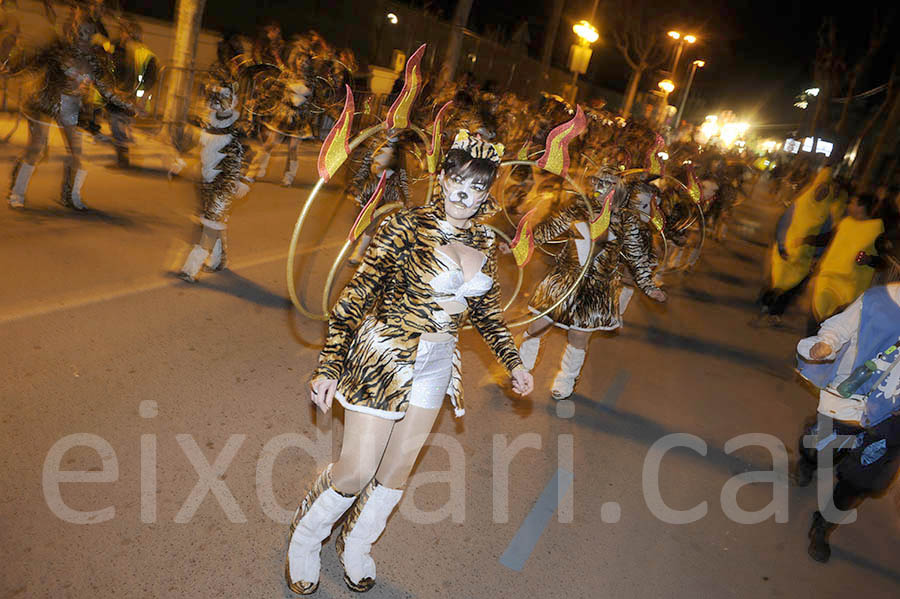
x: 392, y: 18
x: 813, y: 91
x: 666, y: 85
x: 689, y: 38
x: 580, y: 53
x: 586, y: 32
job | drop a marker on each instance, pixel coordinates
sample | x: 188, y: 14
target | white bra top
x: 451, y: 287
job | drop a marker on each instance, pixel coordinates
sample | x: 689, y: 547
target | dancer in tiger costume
x: 598, y: 302
x: 222, y: 162
x: 66, y: 69
x: 390, y: 357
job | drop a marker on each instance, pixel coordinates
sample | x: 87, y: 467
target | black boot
x: 821, y: 529
x: 803, y: 473
x: 65, y: 196
x: 122, y: 160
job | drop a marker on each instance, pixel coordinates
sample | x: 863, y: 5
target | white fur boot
x: 529, y: 350
x: 564, y: 383
x: 193, y: 263
x: 77, y: 183
x: 311, y: 525
x: 217, y: 260
x: 22, y: 176
x: 362, y: 527
x: 290, y: 172
x: 262, y: 165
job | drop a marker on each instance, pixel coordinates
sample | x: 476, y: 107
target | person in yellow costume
x: 811, y: 214
x: 847, y: 268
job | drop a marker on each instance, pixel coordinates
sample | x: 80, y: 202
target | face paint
x: 462, y: 195
x: 465, y: 191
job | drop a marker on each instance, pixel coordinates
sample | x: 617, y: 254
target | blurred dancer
x: 599, y: 300
x: 812, y: 213
x: 136, y: 70
x: 269, y: 45
x: 847, y: 268
x: 68, y: 68
x: 290, y: 120
x: 222, y: 155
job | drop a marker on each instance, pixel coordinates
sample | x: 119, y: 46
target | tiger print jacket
x: 374, y: 329
x: 64, y: 70
x: 625, y: 241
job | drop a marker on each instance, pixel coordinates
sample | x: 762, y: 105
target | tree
x: 550, y: 37
x: 876, y: 40
x: 451, y: 58
x: 638, y: 34
x: 886, y: 134
x: 827, y: 69
x: 187, y: 29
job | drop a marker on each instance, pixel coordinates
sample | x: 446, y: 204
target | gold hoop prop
x: 587, y: 263
x: 338, y: 262
x: 520, y: 276
x: 698, y: 218
x: 298, y: 226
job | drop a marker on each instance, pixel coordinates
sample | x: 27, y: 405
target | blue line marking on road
x: 521, y: 545
x: 616, y: 388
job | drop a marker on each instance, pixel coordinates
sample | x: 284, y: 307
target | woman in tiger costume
x: 390, y: 357
x: 223, y: 158
x: 599, y: 300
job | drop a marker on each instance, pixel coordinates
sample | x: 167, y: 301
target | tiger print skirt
x: 593, y: 306
x: 382, y: 365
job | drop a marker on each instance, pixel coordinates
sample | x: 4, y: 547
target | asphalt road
x: 114, y: 368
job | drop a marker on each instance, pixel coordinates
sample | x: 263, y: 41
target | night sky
x: 759, y: 55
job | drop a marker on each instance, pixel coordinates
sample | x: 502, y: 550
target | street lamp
x: 697, y: 64
x: 580, y: 53
x: 682, y: 40
x: 586, y: 32
x: 392, y: 18
x: 667, y: 86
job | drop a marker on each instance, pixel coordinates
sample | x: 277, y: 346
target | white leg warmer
x: 529, y: 349
x: 290, y: 172
x: 368, y: 525
x: 194, y: 261
x: 77, y: 183
x: 20, y: 185
x: 215, y: 256
x: 313, y: 528
x: 262, y: 166
x: 564, y: 383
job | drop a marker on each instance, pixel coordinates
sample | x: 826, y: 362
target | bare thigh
x: 37, y: 139
x: 539, y: 327
x: 72, y: 137
x: 364, y: 442
x: 579, y: 339
x: 404, y: 445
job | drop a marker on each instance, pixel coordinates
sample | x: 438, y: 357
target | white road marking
x: 158, y: 282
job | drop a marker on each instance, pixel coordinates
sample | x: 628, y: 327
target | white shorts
x: 431, y: 373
